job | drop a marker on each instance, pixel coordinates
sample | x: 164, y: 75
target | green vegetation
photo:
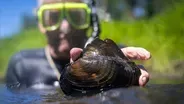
x: 162, y: 35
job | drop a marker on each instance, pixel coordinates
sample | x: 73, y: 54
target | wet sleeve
x: 13, y: 74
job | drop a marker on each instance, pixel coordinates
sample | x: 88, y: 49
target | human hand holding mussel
x: 103, y: 65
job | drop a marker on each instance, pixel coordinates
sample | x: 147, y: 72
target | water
x: 151, y: 94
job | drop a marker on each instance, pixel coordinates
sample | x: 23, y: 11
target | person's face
x: 65, y: 36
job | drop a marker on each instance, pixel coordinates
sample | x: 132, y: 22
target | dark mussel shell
x: 102, y: 66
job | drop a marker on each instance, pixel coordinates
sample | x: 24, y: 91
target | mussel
x: 101, y: 66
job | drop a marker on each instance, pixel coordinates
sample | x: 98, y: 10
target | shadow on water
x: 151, y: 94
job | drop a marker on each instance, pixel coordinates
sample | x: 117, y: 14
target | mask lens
x: 77, y: 17
x: 51, y: 17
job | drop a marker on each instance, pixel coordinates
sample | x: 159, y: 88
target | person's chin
x: 64, y: 56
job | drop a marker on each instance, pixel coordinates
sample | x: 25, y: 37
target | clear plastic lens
x: 77, y: 17
x: 51, y: 17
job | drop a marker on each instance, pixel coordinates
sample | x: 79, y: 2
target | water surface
x: 151, y: 94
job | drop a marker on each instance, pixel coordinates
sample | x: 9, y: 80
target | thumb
x: 75, y: 53
x: 144, y: 77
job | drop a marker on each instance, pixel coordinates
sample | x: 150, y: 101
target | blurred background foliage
x: 157, y: 25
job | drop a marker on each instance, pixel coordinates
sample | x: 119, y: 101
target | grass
x: 162, y: 35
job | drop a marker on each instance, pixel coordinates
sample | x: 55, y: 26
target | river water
x: 151, y: 94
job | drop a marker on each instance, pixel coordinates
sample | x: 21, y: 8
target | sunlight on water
x: 8, y: 97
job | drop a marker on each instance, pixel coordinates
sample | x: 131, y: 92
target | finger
x: 144, y: 77
x: 136, y: 53
x: 143, y: 53
x: 75, y: 53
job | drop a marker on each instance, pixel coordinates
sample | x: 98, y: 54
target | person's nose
x: 65, y: 26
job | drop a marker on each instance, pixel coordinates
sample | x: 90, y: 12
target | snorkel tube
x: 94, y: 22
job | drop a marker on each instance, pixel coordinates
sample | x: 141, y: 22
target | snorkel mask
x: 79, y: 15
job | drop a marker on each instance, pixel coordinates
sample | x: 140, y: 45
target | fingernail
x: 148, y: 55
x: 144, y: 79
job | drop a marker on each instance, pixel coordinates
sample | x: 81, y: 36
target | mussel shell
x: 101, y: 65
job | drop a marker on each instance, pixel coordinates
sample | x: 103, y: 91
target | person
x: 65, y: 24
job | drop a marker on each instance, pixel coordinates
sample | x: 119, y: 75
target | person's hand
x: 131, y: 53
x: 138, y: 53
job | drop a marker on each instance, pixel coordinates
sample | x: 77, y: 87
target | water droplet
x: 83, y: 91
x: 101, y: 90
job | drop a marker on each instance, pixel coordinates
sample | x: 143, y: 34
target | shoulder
x: 26, y: 54
x: 29, y: 53
x: 22, y: 60
x: 19, y: 64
